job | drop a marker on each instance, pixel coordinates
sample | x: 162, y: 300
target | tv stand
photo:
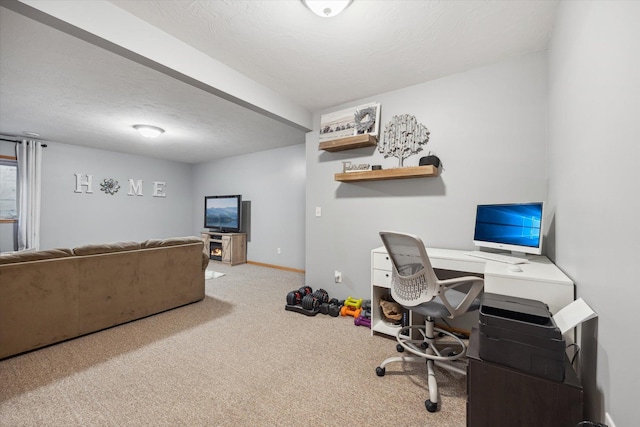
x: 230, y: 248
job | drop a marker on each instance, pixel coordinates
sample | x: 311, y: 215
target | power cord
x: 576, y: 353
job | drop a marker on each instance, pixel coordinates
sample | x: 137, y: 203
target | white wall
x: 274, y: 182
x: 594, y: 124
x: 70, y: 219
x: 488, y: 126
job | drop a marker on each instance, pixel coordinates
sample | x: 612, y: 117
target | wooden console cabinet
x: 233, y: 246
x: 499, y: 396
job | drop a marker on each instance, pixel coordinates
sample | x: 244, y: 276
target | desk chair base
x: 427, y: 349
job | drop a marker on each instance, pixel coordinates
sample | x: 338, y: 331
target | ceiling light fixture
x: 326, y: 8
x: 31, y: 134
x: 149, y: 131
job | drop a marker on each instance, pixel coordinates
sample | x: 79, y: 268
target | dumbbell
x: 322, y: 295
x: 362, y: 321
x: 305, y: 290
x: 324, y: 308
x: 310, y: 302
x: 294, y: 297
x: 334, y: 307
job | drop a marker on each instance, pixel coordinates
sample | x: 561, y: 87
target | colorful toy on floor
x: 351, y: 307
x: 364, y: 319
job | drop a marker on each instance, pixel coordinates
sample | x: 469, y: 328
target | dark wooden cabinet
x: 499, y: 396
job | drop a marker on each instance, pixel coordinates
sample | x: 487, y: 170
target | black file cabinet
x: 499, y: 396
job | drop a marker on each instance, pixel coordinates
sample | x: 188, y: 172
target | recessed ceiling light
x: 149, y: 131
x: 33, y: 134
x: 327, y: 8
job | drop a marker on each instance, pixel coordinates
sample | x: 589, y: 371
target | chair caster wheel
x: 399, y: 348
x: 431, y: 407
x: 380, y: 371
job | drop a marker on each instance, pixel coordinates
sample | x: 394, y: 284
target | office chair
x: 415, y: 286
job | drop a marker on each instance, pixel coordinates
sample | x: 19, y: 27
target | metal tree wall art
x: 402, y: 137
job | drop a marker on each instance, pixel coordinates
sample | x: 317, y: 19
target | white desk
x: 539, y: 279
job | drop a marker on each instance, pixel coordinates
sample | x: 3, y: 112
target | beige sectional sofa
x: 53, y: 295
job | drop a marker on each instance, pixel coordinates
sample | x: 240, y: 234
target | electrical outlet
x: 278, y: 251
x: 338, y: 276
x: 318, y: 211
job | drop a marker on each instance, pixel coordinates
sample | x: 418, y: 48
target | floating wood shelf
x: 396, y: 173
x: 349, y: 143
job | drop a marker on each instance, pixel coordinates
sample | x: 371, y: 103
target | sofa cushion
x: 29, y: 255
x: 106, y: 248
x: 174, y: 241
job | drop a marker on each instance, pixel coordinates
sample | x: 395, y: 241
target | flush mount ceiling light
x: 149, y: 131
x: 31, y: 134
x: 326, y: 8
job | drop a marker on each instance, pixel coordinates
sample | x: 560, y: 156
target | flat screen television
x: 515, y: 227
x: 223, y: 213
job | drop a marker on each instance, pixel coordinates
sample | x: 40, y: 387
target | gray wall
x: 594, y: 124
x: 274, y: 182
x: 70, y: 219
x: 488, y: 126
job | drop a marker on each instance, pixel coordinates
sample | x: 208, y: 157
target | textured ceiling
x: 71, y: 91
x: 372, y: 47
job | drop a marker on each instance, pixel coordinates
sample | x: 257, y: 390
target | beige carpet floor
x: 235, y: 359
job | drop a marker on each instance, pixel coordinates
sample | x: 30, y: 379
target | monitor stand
x: 519, y: 254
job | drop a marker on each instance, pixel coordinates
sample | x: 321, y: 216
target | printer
x: 520, y: 333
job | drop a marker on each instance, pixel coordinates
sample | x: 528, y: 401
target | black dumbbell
x: 324, y: 308
x: 305, y: 290
x: 309, y: 302
x: 294, y: 298
x: 334, y: 307
x: 322, y: 295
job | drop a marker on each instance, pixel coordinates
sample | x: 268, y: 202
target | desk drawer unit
x: 380, y: 286
x: 381, y: 261
x: 381, y: 278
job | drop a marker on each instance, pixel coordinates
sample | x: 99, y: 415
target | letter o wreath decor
x: 109, y: 186
x: 365, y: 120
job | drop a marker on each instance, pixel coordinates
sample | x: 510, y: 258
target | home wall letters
x: 84, y: 184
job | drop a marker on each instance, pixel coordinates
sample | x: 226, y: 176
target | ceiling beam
x: 103, y: 24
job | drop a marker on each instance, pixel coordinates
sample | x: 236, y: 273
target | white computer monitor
x: 515, y: 227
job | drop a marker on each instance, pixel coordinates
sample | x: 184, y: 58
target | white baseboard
x: 608, y: 421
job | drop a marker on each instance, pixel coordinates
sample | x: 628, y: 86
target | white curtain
x: 29, y: 155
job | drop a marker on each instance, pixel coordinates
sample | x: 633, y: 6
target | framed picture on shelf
x: 363, y: 119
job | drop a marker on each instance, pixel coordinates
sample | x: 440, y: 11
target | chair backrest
x: 413, y: 280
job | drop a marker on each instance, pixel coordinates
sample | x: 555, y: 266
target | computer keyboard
x: 498, y: 257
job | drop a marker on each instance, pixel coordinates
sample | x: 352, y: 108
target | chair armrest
x: 477, y: 285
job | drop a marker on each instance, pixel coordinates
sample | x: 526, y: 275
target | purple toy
x: 362, y: 321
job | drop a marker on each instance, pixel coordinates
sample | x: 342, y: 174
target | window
x: 8, y: 189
